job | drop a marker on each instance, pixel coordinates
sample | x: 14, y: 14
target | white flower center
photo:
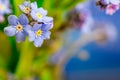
x: 19, y: 27
x: 27, y: 9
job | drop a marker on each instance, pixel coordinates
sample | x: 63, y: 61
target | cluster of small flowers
x: 4, y: 9
x: 111, y: 6
x: 33, y: 23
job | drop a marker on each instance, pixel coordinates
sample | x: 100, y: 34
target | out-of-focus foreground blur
x: 84, y: 44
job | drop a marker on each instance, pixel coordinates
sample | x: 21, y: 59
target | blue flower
x: 39, y: 32
x: 17, y: 27
x: 39, y: 14
x: 25, y: 7
x: 4, y: 7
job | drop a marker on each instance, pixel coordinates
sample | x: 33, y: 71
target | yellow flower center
x: 19, y: 27
x: 39, y: 15
x: 27, y: 9
x: 39, y: 32
x: 2, y: 7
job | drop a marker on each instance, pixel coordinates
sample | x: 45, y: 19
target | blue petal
x: 31, y: 35
x: 20, y: 36
x: 10, y: 31
x: 33, y: 5
x: 38, y: 42
x: 46, y: 34
x: 13, y: 20
x: 23, y: 19
x: 42, y: 11
x: 46, y: 27
x: 26, y: 3
x: 47, y: 19
x: 34, y: 16
x: 22, y: 7
x: 36, y: 27
x: 28, y: 27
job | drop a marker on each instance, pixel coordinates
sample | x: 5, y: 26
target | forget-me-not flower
x: 17, y: 27
x: 39, y: 14
x: 25, y: 7
x: 4, y: 7
x: 39, y: 32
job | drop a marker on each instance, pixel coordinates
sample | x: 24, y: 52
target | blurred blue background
x: 104, y: 60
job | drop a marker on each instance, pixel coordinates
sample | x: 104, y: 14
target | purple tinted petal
x: 10, y: 31
x: 36, y: 27
x: 38, y: 42
x: 20, y: 36
x: 13, y: 20
x: 23, y: 19
x: 2, y: 18
x: 31, y: 35
x: 47, y: 26
x: 47, y: 19
x: 46, y: 34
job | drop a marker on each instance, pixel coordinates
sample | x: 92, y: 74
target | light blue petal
x: 47, y: 19
x: 20, y: 36
x: 31, y: 35
x: 36, y: 27
x: 7, y: 11
x: 42, y: 11
x: 40, y: 20
x: 46, y: 34
x: 23, y: 19
x: 38, y: 42
x: 10, y: 31
x: 46, y: 27
x: 33, y: 5
x: 28, y: 27
x: 34, y: 16
x: 26, y: 3
x: 13, y: 20
x: 22, y: 7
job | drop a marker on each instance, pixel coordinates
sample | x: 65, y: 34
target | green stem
x: 24, y: 65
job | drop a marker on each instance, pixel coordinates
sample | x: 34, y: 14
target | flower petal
x: 23, y: 19
x: 47, y: 19
x: 10, y: 31
x: 36, y: 27
x: 28, y: 27
x: 34, y: 16
x: 20, y: 36
x: 42, y: 11
x: 46, y: 34
x: 31, y: 35
x: 2, y: 18
x: 26, y: 3
x: 13, y: 20
x: 46, y: 27
x: 38, y: 42
x: 22, y: 8
x: 33, y: 5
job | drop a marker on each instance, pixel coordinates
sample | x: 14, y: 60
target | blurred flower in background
x: 4, y: 9
x: 111, y: 6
